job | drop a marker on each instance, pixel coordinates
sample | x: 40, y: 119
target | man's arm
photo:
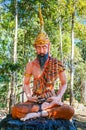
x: 27, y: 89
x: 62, y: 88
x: 27, y: 76
x: 63, y: 85
x: 56, y: 100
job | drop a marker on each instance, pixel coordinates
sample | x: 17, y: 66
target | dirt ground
x: 81, y: 125
x: 80, y: 120
x: 80, y: 116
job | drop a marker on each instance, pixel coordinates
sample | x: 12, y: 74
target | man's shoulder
x: 52, y: 58
x: 60, y: 62
x: 55, y: 60
x: 30, y: 63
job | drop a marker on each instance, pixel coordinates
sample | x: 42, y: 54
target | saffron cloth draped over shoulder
x: 45, y: 83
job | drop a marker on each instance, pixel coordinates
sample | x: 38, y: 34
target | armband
x: 27, y: 75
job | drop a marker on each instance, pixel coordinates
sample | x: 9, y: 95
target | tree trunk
x: 16, y: 32
x: 72, y: 59
x: 12, y: 95
x: 61, y: 51
x: 13, y: 83
x: 83, y: 92
x: 60, y: 28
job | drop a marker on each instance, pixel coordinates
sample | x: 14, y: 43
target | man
x: 42, y: 100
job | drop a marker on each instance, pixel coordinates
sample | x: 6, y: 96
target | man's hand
x: 33, y: 99
x: 54, y: 101
x: 54, y: 98
x: 45, y: 105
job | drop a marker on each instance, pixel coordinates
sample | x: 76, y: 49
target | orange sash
x: 44, y: 85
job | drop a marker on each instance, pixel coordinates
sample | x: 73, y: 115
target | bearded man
x: 43, y: 100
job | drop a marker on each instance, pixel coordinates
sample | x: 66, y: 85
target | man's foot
x: 35, y: 115
x: 44, y: 114
x: 30, y: 116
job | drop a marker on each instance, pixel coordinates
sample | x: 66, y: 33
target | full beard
x: 42, y: 58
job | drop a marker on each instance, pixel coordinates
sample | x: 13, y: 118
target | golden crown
x: 42, y: 37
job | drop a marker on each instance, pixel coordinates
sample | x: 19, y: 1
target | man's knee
x: 13, y: 112
x: 18, y: 112
x: 68, y: 111
x: 71, y: 111
x: 64, y: 112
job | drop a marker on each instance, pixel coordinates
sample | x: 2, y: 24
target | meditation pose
x: 42, y: 100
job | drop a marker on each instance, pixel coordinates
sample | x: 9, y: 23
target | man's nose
x: 41, y: 49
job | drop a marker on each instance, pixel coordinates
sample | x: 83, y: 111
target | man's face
x: 42, y: 54
x: 42, y: 49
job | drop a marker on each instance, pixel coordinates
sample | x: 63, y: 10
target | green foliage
x: 54, y: 13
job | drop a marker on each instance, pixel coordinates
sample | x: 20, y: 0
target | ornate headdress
x: 42, y: 37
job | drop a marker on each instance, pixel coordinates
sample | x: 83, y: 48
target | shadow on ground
x: 80, y: 125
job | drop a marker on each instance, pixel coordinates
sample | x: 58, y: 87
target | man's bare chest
x: 37, y: 71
